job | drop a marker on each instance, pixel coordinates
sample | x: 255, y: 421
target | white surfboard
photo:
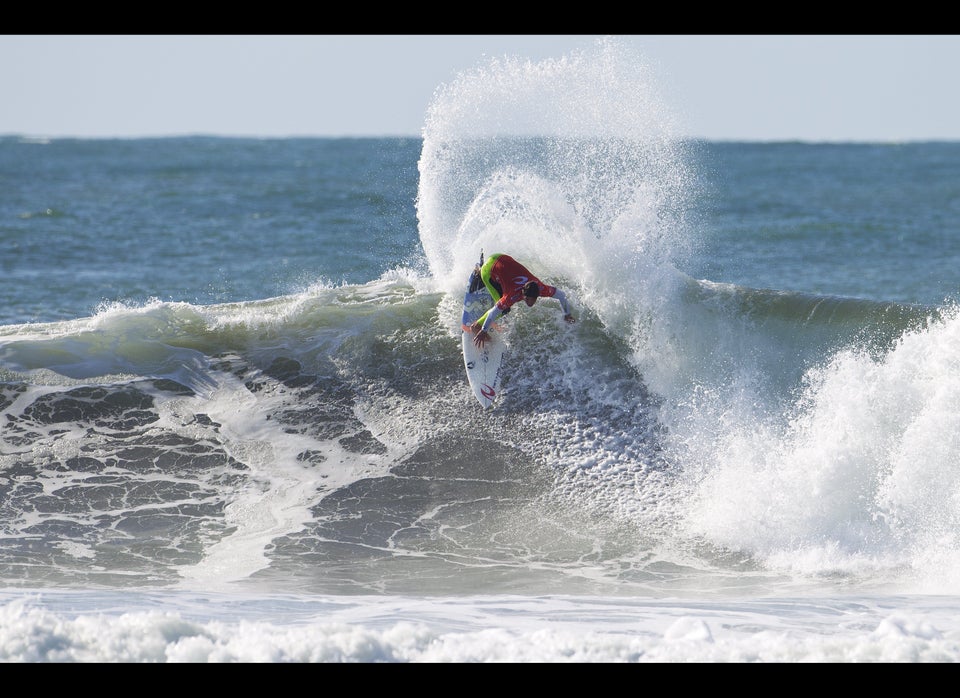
x: 484, y: 366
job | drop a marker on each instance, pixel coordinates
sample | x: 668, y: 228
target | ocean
x: 236, y: 425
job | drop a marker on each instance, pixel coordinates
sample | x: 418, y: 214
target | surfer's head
x: 531, y: 291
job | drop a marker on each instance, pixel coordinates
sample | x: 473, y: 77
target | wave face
x: 328, y: 442
x: 325, y: 440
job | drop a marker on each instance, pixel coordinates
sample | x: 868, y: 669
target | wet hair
x: 531, y: 289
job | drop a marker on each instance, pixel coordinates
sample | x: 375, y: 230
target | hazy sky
x: 754, y: 87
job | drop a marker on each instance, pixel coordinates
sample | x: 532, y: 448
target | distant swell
x: 842, y: 317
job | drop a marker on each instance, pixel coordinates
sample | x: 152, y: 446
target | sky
x: 727, y: 87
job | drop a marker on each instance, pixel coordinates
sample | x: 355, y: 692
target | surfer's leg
x: 475, y: 280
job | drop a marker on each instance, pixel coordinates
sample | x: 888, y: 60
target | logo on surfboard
x: 488, y: 392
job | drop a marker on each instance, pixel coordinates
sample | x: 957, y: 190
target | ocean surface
x: 235, y: 424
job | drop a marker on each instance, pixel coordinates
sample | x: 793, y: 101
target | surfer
x: 508, y: 282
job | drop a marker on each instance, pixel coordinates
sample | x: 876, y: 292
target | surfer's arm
x: 490, y: 316
x: 564, y: 305
x: 481, y: 336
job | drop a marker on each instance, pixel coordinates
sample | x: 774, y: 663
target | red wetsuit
x: 510, y: 275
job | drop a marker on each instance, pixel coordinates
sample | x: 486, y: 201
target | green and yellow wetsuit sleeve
x: 485, y: 276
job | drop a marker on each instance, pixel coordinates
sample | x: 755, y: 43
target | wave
x: 325, y: 406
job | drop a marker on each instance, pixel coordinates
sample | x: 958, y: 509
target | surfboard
x: 484, y: 366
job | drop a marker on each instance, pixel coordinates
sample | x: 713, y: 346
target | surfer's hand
x: 481, y: 337
x: 569, y: 319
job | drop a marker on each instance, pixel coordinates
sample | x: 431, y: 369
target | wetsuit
x: 504, y: 277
